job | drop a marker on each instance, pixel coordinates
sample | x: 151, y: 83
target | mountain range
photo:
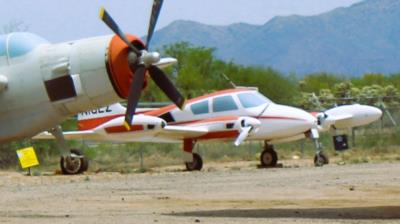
x: 362, y: 38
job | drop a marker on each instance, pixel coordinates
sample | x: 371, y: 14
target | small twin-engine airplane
x: 42, y: 84
x: 239, y: 114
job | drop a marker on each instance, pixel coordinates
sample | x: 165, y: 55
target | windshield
x: 252, y: 99
x: 17, y: 44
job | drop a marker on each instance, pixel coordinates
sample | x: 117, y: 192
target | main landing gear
x: 320, y: 159
x: 196, y: 164
x: 72, y: 161
x: 268, y: 157
x: 193, y: 161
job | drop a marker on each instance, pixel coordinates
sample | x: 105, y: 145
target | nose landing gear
x: 268, y: 157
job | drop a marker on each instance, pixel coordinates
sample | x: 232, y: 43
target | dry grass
x: 371, y: 145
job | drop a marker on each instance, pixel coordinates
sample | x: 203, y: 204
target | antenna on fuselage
x: 229, y: 80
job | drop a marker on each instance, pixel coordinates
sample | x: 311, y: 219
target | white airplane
x: 238, y: 114
x: 42, y: 84
x: 234, y: 114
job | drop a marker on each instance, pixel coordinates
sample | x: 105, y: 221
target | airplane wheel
x: 76, y: 163
x: 321, y: 159
x: 269, y: 158
x: 197, y: 163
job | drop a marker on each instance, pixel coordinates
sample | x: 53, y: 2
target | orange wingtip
x: 127, y: 126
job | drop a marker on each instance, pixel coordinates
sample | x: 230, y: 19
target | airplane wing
x: 70, y: 135
x: 181, y: 132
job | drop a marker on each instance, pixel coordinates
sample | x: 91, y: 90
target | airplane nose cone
x: 299, y: 121
x: 374, y: 113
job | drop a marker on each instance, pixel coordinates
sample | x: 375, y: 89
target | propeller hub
x: 132, y: 58
x: 149, y: 58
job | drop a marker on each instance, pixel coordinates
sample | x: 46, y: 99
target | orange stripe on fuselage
x: 168, y: 108
x: 122, y: 129
x: 219, y: 134
x: 88, y: 124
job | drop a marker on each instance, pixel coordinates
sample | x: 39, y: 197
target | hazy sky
x: 62, y: 20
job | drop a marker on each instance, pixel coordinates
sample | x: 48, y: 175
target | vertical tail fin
x: 91, y: 119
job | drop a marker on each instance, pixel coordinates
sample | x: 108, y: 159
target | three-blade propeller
x: 243, y: 135
x: 246, y: 125
x: 142, y: 61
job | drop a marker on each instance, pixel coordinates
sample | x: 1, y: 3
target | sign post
x: 27, y: 158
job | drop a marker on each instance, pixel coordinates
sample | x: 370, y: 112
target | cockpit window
x: 17, y: 44
x: 224, y: 103
x: 253, y: 99
x: 200, y: 108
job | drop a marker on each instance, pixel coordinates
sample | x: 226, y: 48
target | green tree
x: 371, y: 79
x: 313, y: 83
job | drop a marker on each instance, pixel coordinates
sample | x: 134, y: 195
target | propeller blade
x: 243, y: 135
x: 155, y: 12
x: 108, y: 20
x: 163, y: 82
x: 134, y: 94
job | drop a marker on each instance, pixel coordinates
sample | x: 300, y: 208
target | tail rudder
x: 93, y: 118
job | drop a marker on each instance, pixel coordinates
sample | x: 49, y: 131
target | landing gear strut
x: 320, y: 157
x: 72, y: 161
x: 268, y: 157
x: 193, y: 161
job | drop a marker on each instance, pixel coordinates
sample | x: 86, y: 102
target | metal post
x: 353, y: 137
x: 141, y: 159
x: 302, y: 142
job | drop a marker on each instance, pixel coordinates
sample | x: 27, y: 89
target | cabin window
x: 252, y: 99
x: 224, y: 103
x: 200, y: 108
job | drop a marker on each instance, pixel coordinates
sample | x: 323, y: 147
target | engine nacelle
x: 349, y: 116
x: 325, y: 122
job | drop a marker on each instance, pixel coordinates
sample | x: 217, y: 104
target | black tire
x: 268, y: 158
x: 197, y: 163
x: 79, y: 165
x: 321, y: 159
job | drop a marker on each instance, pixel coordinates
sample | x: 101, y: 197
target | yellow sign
x: 27, y: 157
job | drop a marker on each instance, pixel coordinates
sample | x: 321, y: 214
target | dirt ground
x: 222, y: 193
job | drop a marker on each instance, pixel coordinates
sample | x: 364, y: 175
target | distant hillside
x: 354, y: 40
